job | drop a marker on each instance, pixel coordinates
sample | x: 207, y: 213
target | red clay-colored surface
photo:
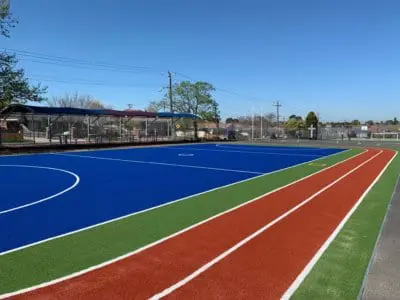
x: 265, y: 266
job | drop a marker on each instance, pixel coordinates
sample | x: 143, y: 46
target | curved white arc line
x: 77, y: 180
x: 166, y: 204
x: 143, y: 248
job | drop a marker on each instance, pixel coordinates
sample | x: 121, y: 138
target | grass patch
x: 7, y: 137
x: 340, y: 271
x: 70, y: 254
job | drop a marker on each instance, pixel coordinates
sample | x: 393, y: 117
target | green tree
x: 369, y: 123
x: 389, y: 122
x: 294, y: 123
x: 195, y: 98
x: 6, y: 20
x: 355, y: 122
x: 298, y: 118
x: 14, y: 86
x: 312, y: 120
x: 395, y: 121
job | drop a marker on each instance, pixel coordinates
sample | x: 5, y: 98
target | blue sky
x: 339, y: 58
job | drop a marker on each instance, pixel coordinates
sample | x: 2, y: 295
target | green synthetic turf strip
x: 73, y: 253
x: 340, y: 271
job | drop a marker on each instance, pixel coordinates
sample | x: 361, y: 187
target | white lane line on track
x: 106, y: 263
x: 77, y: 180
x: 246, y: 152
x: 300, y: 278
x: 226, y: 253
x: 161, y: 205
x: 160, y: 163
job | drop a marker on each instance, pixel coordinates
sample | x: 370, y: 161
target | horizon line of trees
x: 297, y: 121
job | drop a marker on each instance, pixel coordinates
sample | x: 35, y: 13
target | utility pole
x: 262, y: 116
x: 171, y: 108
x: 252, y: 125
x: 170, y: 92
x: 277, y: 105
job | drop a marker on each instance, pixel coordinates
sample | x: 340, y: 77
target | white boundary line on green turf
x: 161, y: 205
x: 255, y: 234
x: 300, y: 278
x: 158, y: 163
x: 174, y: 234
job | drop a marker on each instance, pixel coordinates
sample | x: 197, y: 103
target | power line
x: 98, y: 66
x: 184, y: 76
x: 61, y: 59
x: 88, y: 82
x: 81, y: 64
x: 80, y: 67
x: 218, y: 88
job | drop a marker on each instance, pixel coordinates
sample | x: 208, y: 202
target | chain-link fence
x: 28, y: 129
x: 257, y: 128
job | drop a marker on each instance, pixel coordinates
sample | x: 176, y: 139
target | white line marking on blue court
x: 167, y: 237
x: 284, y: 148
x: 77, y: 180
x: 186, y: 154
x: 159, y: 163
x: 169, y: 203
x: 247, y: 152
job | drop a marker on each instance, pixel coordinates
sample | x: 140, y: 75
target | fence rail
x: 27, y: 129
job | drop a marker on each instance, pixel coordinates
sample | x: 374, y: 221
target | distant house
x: 383, y: 128
x: 10, y: 124
x: 373, y: 128
x: 211, y: 125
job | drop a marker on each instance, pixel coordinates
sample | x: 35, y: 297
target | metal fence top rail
x: 45, y: 110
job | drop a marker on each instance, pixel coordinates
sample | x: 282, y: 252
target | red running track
x: 263, y: 268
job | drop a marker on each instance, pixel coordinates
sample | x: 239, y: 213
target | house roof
x: 45, y: 110
x: 129, y: 113
x: 177, y: 115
